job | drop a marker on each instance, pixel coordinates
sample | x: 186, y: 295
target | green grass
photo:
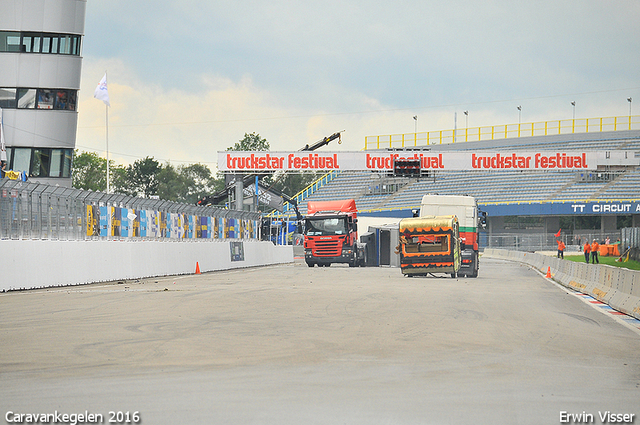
x: 610, y: 261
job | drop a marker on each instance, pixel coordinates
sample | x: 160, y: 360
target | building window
x: 41, y: 162
x: 65, y: 44
x: 45, y: 99
x: 60, y: 163
x: 9, y: 41
x: 26, y: 98
x: 46, y: 43
x: 64, y: 100
x: 7, y: 98
x: 26, y: 44
x: 56, y: 162
x: 21, y: 160
x: 67, y: 157
x: 22, y: 98
x: 36, y: 42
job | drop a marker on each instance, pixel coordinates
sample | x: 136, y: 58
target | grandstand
x: 502, y: 193
x: 374, y: 191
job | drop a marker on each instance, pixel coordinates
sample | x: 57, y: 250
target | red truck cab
x: 331, y: 233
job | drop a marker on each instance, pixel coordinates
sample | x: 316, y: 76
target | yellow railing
x: 305, y: 193
x: 474, y: 134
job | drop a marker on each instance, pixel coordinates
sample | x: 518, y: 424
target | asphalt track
x: 296, y: 345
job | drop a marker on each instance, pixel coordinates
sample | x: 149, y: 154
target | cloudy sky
x: 189, y: 78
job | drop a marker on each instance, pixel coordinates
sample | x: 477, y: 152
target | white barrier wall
x: 27, y: 264
x: 617, y: 287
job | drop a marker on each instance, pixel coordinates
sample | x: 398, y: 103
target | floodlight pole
x: 466, y: 126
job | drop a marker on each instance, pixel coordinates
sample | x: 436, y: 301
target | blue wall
x: 566, y: 208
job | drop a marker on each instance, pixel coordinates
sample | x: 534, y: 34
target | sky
x: 190, y: 78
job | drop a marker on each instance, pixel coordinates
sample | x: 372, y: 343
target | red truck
x: 331, y: 234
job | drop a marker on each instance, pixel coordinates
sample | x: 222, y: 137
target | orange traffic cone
x: 548, y: 272
x: 197, y: 268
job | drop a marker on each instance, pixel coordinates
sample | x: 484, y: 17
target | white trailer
x: 466, y: 209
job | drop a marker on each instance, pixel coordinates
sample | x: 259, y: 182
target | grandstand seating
x: 626, y: 186
x: 493, y: 186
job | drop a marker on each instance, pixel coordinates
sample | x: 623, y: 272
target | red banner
x: 235, y: 161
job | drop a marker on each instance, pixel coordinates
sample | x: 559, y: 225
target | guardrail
x: 504, y: 131
x: 617, y: 287
x: 40, y: 211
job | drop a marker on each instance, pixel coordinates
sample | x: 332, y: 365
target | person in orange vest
x: 561, y: 247
x: 587, y: 251
x: 594, y: 252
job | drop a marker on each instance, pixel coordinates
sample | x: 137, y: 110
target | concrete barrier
x: 28, y: 264
x: 617, y: 287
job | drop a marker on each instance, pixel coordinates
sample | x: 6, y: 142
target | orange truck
x: 429, y: 245
x: 331, y: 234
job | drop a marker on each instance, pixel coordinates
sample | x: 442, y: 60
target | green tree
x: 251, y: 142
x: 200, y: 181
x: 137, y: 179
x: 89, y: 171
x: 171, y: 186
x: 143, y: 177
x: 186, y: 183
x: 119, y: 179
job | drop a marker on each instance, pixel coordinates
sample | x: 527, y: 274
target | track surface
x: 294, y: 345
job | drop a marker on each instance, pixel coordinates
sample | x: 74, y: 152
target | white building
x: 40, y: 64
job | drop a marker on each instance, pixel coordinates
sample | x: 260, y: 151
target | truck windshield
x: 426, y: 243
x: 326, y: 226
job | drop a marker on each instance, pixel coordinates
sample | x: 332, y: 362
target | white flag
x: 3, y: 149
x: 101, y: 92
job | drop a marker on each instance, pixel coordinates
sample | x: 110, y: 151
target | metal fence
x: 627, y: 238
x: 520, y: 242
x: 539, y: 241
x: 630, y: 237
x: 40, y: 211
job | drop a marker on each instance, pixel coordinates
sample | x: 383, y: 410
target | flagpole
x: 106, y: 108
x: 102, y: 94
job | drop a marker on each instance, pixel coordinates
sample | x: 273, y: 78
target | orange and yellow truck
x: 429, y: 245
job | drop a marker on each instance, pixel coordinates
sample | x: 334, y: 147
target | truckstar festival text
x: 450, y: 160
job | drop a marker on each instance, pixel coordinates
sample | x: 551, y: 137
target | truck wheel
x: 453, y: 275
x: 477, y: 266
x: 310, y: 264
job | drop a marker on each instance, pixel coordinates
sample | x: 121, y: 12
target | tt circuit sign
x: 238, y: 161
x: 608, y: 208
x: 563, y: 208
